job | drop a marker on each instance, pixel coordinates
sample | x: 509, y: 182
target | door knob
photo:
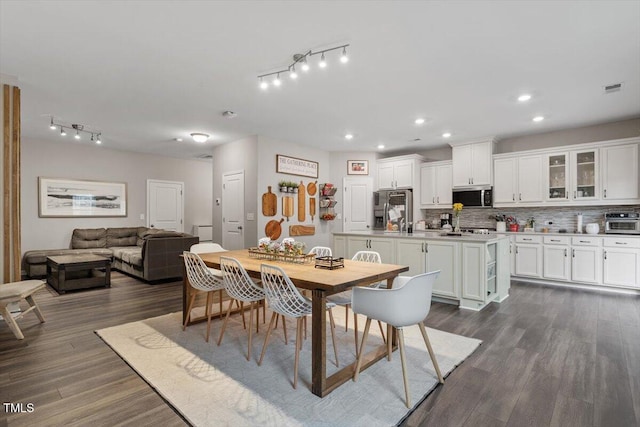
x: 239, y: 227
x: 152, y: 225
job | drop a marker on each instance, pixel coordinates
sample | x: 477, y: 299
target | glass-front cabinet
x: 558, y: 177
x: 584, y: 174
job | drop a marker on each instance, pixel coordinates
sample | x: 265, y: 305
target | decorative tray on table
x: 329, y: 263
x: 281, y: 256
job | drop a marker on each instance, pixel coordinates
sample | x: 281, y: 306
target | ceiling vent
x: 616, y: 87
x: 204, y: 156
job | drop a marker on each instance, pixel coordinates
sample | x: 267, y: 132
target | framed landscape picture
x: 63, y: 198
x: 357, y: 167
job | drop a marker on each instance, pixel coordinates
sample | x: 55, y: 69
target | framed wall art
x: 357, y: 167
x: 64, y: 198
x: 294, y: 166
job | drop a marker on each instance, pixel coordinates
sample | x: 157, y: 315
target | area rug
x: 215, y: 385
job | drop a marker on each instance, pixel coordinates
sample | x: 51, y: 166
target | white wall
x: 82, y: 161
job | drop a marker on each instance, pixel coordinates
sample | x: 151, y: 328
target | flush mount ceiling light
x: 95, y: 135
x: 199, y: 137
x: 446, y: 135
x: 524, y: 97
x: 419, y: 121
x: 380, y: 146
x: 301, y: 60
x: 538, y: 118
x: 348, y: 136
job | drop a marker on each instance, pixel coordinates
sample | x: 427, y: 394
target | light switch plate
x: 251, y: 216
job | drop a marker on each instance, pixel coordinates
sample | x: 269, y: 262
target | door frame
x: 148, y: 208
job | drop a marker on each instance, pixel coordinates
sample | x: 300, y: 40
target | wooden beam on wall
x: 6, y: 184
x: 15, y: 186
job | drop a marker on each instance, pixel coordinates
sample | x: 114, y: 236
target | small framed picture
x: 357, y: 167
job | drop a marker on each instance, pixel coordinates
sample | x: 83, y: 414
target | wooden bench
x: 16, y: 292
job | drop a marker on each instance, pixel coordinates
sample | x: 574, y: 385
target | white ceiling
x: 145, y: 72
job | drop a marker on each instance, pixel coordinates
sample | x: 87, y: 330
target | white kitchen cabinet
x: 472, y: 164
x: 528, y: 256
x: 339, y: 247
x: 384, y: 246
x: 518, y: 180
x: 621, y: 258
x: 423, y: 256
x: 557, y: 177
x: 399, y: 172
x: 474, y: 274
x: 436, y: 185
x: 586, y: 259
x: 556, y: 258
x: 584, y: 175
x: 620, y: 172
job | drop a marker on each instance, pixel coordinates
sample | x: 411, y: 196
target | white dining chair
x: 241, y: 288
x: 321, y: 251
x: 201, y: 279
x: 406, y: 303
x: 203, y: 248
x: 344, y: 298
x: 285, y: 299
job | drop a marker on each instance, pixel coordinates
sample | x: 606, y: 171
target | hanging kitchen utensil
x: 302, y: 230
x: 312, y: 188
x: 312, y: 207
x: 302, y: 202
x: 273, y: 229
x: 269, y: 203
x: 287, y: 206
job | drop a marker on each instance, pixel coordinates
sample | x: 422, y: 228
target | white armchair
x: 406, y: 304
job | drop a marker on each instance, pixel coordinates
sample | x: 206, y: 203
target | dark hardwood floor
x: 550, y: 357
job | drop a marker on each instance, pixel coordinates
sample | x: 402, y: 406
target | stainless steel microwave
x: 474, y: 197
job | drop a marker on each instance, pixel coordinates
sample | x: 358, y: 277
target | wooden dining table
x: 321, y: 283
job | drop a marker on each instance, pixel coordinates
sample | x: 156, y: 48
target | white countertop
x: 539, y: 233
x: 427, y: 234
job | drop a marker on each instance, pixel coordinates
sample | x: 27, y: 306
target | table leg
x: 107, y: 275
x: 61, y: 277
x: 318, y: 343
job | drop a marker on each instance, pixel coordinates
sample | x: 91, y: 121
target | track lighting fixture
x: 77, y: 127
x: 301, y: 59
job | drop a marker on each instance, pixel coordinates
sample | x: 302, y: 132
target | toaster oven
x: 622, y: 223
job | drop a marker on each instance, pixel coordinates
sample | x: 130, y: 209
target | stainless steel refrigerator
x: 392, y: 209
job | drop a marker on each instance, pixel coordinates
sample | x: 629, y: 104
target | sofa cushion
x: 84, y: 238
x: 129, y: 254
x: 122, y: 236
x: 157, y: 232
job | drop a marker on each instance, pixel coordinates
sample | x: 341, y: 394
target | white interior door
x: 165, y: 205
x: 357, y: 214
x: 233, y: 210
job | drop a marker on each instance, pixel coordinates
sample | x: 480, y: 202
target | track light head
x: 52, y: 126
x: 62, y: 131
x: 98, y: 139
x: 305, y: 65
x: 277, y: 82
x: 323, y: 62
x: 344, y: 58
x: 263, y: 85
x: 292, y: 74
x: 77, y: 135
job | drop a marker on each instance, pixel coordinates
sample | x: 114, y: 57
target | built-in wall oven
x: 622, y: 223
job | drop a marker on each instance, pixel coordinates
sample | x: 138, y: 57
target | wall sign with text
x: 294, y: 166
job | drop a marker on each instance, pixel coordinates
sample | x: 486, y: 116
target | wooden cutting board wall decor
x: 287, y: 206
x: 312, y: 188
x: 269, y: 203
x: 302, y: 230
x: 273, y: 229
x: 302, y: 202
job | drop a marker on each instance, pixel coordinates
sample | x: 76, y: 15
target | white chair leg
x: 362, y: 347
x: 431, y: 353
x: 266, y: 338
x: 404, y: 367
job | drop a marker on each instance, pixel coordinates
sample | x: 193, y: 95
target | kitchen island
x: 474, y: 268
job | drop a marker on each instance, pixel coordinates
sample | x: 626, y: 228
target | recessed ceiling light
x: 200, y: 137
x: 524, y: 97
x: 538, y: 118
x: 380, y: 146
x: 419, y: 121
x: 177, y: 139
x: 446, y: 135
x: 348, y: 136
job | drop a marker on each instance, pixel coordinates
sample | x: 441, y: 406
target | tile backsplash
x: 561, y: 217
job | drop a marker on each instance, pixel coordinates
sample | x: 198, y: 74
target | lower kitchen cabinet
x: 384, y: 246
x: 473, y: 271
x: 528, y: 256
x: 423, y: 256
x: 556, y: 258
x: 586, y: 259
x: 621, y: 262
x: 339, y: 247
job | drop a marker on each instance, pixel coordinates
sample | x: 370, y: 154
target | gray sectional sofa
x: 147, y: 253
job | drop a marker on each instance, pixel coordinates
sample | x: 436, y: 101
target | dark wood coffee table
x: 78, y: 271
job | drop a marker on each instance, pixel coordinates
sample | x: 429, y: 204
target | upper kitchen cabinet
x: 584, y: 174
x: 472, y: 163
x: 435, y: 185
x: 517, y: 180
x: 620, y: 172
x: 399, y: 172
